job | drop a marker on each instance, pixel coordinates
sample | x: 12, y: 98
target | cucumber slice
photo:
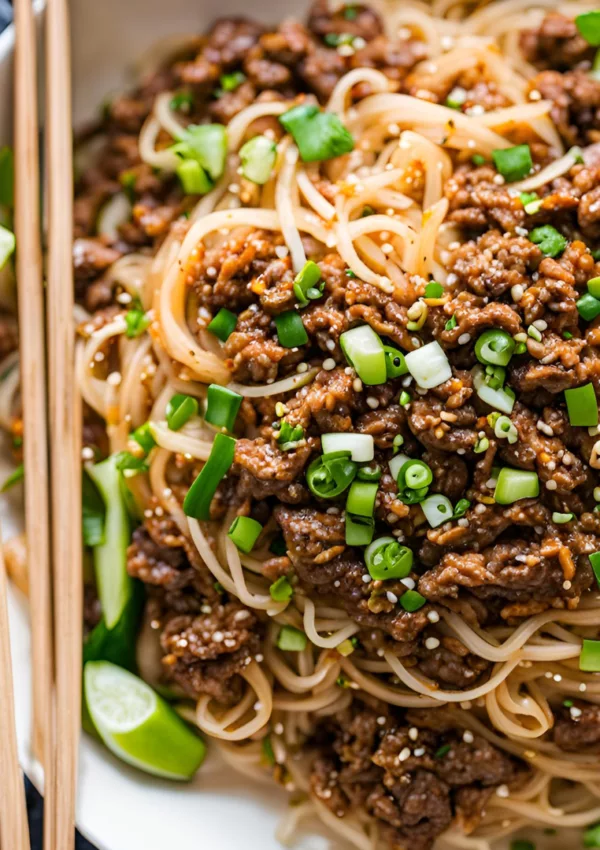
x: 137, y: 725
x: 115, y: 587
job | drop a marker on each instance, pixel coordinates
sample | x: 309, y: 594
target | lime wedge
x: 137, y: 725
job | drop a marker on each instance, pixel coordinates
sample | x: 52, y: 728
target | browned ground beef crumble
x: 495, y: 565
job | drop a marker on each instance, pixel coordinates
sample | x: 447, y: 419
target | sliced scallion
x: 197, y: 501
x: 364, y: 351
x: 359, y: 530
x: 291, y: 639
x: 360, y: 446
x: 244, y: 532
x: 257, y: 159
x: 437, y: 509
x: 222, y: 406
x: 516, y: 484
x: 386, y: 558
x: 502, y: 399
x: 306, y: 280
x: 495, y: 347
x: 551, y: 242
x: 319, y: 135
x: 411, y: 600
x: 180, y: 410
x: 395, y: 363
x: 589, y: 660
x: 290, y: 330
x: 513, y: 163
x: 361, y: 498
x: 281, y: 590
x: 223, y: 324
x: 582, y: 406
x: 429, y: 365
x: 504, y: 429
x: 7, y: 245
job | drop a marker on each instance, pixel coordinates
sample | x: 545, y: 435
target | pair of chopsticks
x: 51, y: 424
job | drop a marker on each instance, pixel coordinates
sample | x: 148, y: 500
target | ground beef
x: 577, y: 727
x: 493, y: 264
x: 205, y: 654
x: 266, y: 470
x: 476, y: 202
x: 415, y: 797
x: 556, y: 43
x: 450, y: 664
x: 576, y: 98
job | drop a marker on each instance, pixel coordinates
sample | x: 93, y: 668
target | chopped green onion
x: 137, y: 322
x: 307, y: 278
x: 434, y: 289
x: 516, y: 484
x: 589, y: 660
x: 593, y: 286
x: 223, y: 324
x: 291, y: 639
x: 365, y: 352
x: 411, y: 600
x: 194, y: 179
x: 456, y: 98
x: 404, y: 398
x: 230, y: 82
x: 207, y: 145
x: 395, y: 364
x: 397, y: 442
x: 197, y: 501
x: 182, y: 100
x: 180, y: 409
x: 17, y: 475
x: 257, y: 159
x: 534, y: 333
x: 361, y: 498
x: 588, y: 307
x: 267, y: 751
x: 351, y: 274
x: 502, y: 399
x: 595, y: 563
x: 289, y: 436
x: 319, y: 135
x: 437, y: 509
x: 7, y: 245
x: 495, y: 347
x: 429, y: 365
x: 127, y: 462
x: 345, y: 648
x: 551, y: 242
x: 93, y: 512
x: 396, y: 464
x: 520, y: 348
x: 222, y: 406
x: 504, y: 429
x: 367, y: 211
x: 561, y: 519
x: 359, y: 530
x: 528, y: 197
x: 442, y: 751
x: 482, y: 445
x: 350, y: 13
x: 415, y: 474
x: 335, y: 39
x: 591, y: 837
x: 244, y: 532
x: 588, y: 24
x: 451, y: 323
x: 143, y: 436
x: 513, y: 163
x: 522, y: 844
x: 386, y: 558
x: 460, y: 509
x: 478, y: 160
x: 290, y: 330
x: 281, y: 590
x: 360, y: 446
x: 568, y: 703
x: 7, y: 177
x: 329, y: 475
x: 582, y: 406
x: 369, y: 473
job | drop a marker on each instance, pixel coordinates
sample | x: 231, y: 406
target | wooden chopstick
x: 65, y: 424
x: 14, y: 830
x: 33, y: 378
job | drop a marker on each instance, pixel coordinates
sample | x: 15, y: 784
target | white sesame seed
x: 499, y: 180
x: 432, y: 643
x: 124, y: 298
x: 534, y: 94
x: 282, y: 251
x: 302, y: 367
x: 357, y: 385
x: 381, y: 720
x: 372, y: 402
x: 464, y: 339
x: 502, y: 791
x: 366, y: 578
x: 329, y: 364
x: 463, y: 522
x: 517, y: 292
x: 408, y: 582
x: 468, y: 737
x: 330, y: 345
x: 420, y: 751
x: 557, y: 677
x: 583, y: 687
x: 387, y: 248
x: 551, y: 484
x: 391, y: 597
x: 404, y: 754
x: 278, y: 729
x: 566, y: 585
x: 413, y: 733
x: 87, y: 453
x: 218, y: 637
x: 479, y: 509
x: 575, y: 712
x: 433, y: 617
x: 540, y: 324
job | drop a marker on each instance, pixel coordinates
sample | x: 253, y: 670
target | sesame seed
x: 432, y: 643
x: 420, y: 751
x: 387, y: 248
x: 302, y: 367
x: 381, y: 720
x: 575, y: 712
x: 479, y: 509
x: 391, y: 597
x: 366, y: 578
x: 330, y: 345
x: 329, y: 364
x: 517, y: 292
x: 464, y: 339
x: 557, y: 677
x: 357, y: 385
x: 463, y: 522
x: 433, y: 617
x: 551, y: 484
x: 502, y: 791
x: 372, y: 402
x: 278, y: 729
x: 408, y: 582
x: 583, y: 687
x: 404, y: 754
x: 468, y: 737
x: 282, y: 251
x: 534, y: 94
x: 218, y: 637
x: 87, y: 453
x: 413, y: 733
x: 566, y: 585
